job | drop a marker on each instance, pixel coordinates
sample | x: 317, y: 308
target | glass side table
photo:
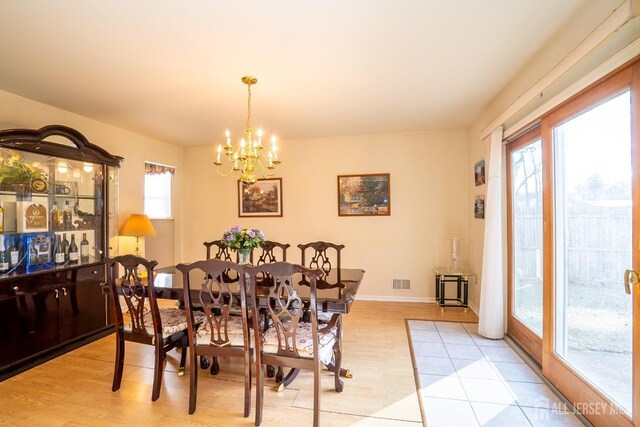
x: 458, y: 276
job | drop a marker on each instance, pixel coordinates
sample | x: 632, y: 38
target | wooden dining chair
x: 221, y: 250
x: 269, y: 252
x: 289, y: 341
x: 322, y: 254
x: 138, y: 318
x: 221, y: 334
x: 326, y: 257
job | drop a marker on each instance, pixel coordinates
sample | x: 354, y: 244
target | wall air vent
x: 401, y: 284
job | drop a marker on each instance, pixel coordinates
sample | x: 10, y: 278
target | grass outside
x: 599, y: 315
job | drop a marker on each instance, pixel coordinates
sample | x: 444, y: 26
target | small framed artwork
x: 479, y: 173
x: 260, y: 199
x: 478, y: 207
x: 364, y: 195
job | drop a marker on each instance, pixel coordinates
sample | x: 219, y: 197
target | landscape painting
x: 262, y: 198
x: 364, y: 195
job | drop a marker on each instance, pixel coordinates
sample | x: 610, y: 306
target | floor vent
x: 401, y: 284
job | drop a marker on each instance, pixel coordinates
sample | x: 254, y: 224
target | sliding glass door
x: 524, y: 163
x: 574, y: 248
x: 593, y: 229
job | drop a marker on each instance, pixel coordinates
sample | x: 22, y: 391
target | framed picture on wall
x: 478, y: 207
x: 479, y: 173
x: 262, y: 198
x: 364, y: 195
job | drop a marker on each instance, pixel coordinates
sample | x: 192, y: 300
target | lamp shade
x: 138, y: 225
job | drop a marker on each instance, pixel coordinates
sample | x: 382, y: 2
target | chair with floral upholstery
x: 288, y: 341
x: 326, y: 257
x: 221, y: 334
x: 139, y: 319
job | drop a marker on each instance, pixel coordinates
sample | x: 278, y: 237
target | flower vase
x: 243, y: 256
x: 453, y: 263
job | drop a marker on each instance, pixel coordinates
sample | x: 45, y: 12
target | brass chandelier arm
x: 223, y: 173
x: 265, y: 171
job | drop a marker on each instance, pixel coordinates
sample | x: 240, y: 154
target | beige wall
x: 19, y: 112
x: 429, y: 177
x: 561, y: 44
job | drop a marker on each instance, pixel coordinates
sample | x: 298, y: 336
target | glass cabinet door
x: 51, y: 212
x: 113, y: 189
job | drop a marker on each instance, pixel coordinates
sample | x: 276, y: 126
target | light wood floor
x: 75, y: 389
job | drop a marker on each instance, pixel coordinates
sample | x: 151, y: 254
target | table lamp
x: 138, y: 225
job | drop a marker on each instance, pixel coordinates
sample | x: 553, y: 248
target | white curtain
x: 492, y: 303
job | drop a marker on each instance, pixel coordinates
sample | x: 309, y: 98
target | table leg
x: 442, y: 284
x: 344, y: 373
x: 293, y: 373
x: 459, y: 283
x: 437, y: 287
x: 466, y: 294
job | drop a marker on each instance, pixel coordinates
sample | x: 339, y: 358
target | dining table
x: 336, y: 290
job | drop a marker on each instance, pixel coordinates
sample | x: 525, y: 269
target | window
x: 157, y: 190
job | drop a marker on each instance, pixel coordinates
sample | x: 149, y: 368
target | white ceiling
x: 171, y: 69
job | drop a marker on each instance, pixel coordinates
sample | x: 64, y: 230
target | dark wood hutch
x: 59, y: 200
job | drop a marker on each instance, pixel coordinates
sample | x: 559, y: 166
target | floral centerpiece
x: 242, y: 240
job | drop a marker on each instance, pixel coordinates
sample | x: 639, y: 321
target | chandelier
x: 248, y: 157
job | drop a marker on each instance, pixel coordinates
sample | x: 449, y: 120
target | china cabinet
x: 58, y: 223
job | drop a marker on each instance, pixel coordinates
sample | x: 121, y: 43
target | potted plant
x: 21, y: 176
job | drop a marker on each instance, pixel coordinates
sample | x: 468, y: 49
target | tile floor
x: 467, y: 380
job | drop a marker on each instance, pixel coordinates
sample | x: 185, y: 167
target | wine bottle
x: 73, y: 250
x: 4, y: 261
x: 66, y: 216
x: 65, y: 247
x: 56, y: 217
x: 33, y: 253
x: 14, y: 254
x: 1, y: 218
x: 84, y: 248
x: 59, y: 252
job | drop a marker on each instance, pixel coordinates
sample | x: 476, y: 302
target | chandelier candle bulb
x: 274, y: 149
x: 243, y: 152
x: 218, y: 156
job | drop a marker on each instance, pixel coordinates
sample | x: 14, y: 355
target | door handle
x: 64, y: 292
x: 630, y: 278
x: 57, y: 293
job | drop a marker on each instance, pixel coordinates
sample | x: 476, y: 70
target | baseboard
x: 474, y: 308
x: 395, y: 298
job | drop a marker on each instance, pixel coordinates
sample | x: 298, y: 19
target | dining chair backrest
x: 129, y: 290
x: 214, y: 295
x: 269, y: 252
x: 221, y: 250
x: 220, y: 334
x: 289, y: 342
x: 321, y: 255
